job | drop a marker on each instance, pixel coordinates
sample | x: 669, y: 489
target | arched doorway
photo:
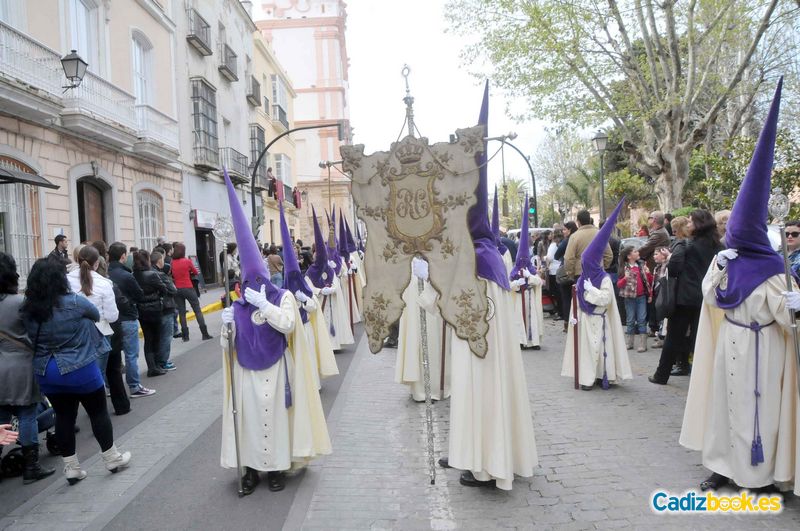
x: 20, y: 218
x: 92, y: 207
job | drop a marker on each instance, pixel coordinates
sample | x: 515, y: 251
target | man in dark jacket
x: 658, y: 239
x: 128, y: 323
x: 60, y: 252
x: 169, y: 311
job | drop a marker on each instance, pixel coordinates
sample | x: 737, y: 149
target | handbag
x: 561, y: 275
x: 665, y: 298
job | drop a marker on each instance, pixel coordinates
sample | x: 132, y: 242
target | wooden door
x: 91, y: 212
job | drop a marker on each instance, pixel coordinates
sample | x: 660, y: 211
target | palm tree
x: 516, y: 189
x: 585, y: 186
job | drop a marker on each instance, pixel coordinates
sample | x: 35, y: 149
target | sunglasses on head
x: 793, y: 234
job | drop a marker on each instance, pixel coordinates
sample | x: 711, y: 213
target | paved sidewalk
x: 601, y: 453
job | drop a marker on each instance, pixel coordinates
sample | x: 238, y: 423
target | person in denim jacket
x: 66, y: 344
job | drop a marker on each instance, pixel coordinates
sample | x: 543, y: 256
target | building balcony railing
x: 100, y: 110
x: 227, y: 62
x: 235, y: 162
x: 254, y: 92
x: 199, y: 35
x: 206, y: 157
x: 287, y: 195
x: 266, y: 106
x: 261, y: 176
x: 32, y: 63
x: 157, y: 126
x: 279, y: 114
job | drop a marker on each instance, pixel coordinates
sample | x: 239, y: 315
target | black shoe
x: 390, y: 344
x: 33, y: 470
x: 152, y: 373
x: 653, y: 379
x: 51, y: 444
x: 679, y: 371
x: 587, y: 387
x: 185, y: 336
x: 249, y: 481
x: 444, y: 462
x: 275, y: 481
x: 122, y: 412
x: 206, y: 337
x: 468, y: 480
x: 714, y: 482
x: 177, y: 335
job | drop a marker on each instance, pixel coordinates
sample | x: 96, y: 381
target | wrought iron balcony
x: 236, y: 163
x: 287, y: 195
x: 254, y: 92
x: 279, y: 114
x: 199, y: 35
x: 158, y: 135
x: 227, y: 62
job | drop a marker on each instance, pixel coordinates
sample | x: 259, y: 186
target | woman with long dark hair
x: 19, y: 391
x: 61, y: 325
x: 689, y: 264
x: 151, y: 309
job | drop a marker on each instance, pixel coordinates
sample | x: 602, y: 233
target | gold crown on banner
x: 409, y: 152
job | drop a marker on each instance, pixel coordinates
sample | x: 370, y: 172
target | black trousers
x: 66, y: 408
x: 566, y: 300
x: 184, y: 295
x: 555, y: 292
x: 681, y: 334
x: 151, y: 330
x: 114, y: 374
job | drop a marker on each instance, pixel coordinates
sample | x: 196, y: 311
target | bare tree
x: 668, y: 75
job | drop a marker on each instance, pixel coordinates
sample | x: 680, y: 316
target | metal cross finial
x: 778, y: 205
x: 409, y: 101
x: 223, y: 230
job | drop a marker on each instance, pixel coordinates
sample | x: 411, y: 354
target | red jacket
x: 182, y: 269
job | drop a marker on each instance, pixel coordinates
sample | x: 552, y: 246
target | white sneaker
x: 143, y: 391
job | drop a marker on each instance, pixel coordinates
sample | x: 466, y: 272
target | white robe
x: 491, y: 427
x: 323, y: 361
x: 408, y: 368
x: 720, y: 405
x: 271, y: 436
x: 349, y: 291
x: 534, y: 317
x: 360, y: 279
x: 334, y: 308
x: 508, y: 262
x: 590, y: 341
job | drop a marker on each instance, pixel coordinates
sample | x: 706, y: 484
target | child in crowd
x: 636, y: 288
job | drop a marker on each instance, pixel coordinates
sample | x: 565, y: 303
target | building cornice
x: 157, y: 12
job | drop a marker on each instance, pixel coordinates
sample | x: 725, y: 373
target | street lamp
x: 600, y: 140
x: 503, y: 139
x: 74, y: 68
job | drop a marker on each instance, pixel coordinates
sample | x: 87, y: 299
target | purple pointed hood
x: 257, y: 347
x: 592, y: 258
x: 351, y: 243
x: 360, y: 239
x: 292, y: 277
x: 496, y: 225
x: 524, y: 249
x: 333, y: 252
x: 747, y: 227
x: 488, y: 261
x: 320, y: 273
x: 341, y: 243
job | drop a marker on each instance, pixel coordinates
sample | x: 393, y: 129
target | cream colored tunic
x: 360, y: 279
x: 349, y: 291
x: 272, y: 436
x: 590, y: 341
x: 720, y: 406
x: 334, y: 308
x: 323, y: 360
x: 491, y: 427
x: 530, y: 329
x: 408, y: 368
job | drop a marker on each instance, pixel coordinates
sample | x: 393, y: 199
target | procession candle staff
x: 322, y: 276
x: 344, y: 253
x: 223, y: 231
x: 779, y: 209
x: 525, y: 280
x: 743, y: 407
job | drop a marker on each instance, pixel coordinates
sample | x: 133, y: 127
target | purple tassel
x: 605, y: 380
x: 756, y: 452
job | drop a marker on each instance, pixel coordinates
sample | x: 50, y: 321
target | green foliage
x: 685, y: 211
x: 637, y: 192
x: 726, y: 168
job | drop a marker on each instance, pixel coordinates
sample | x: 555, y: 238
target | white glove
x: 332, y: 264
x: 534, y: 280
x: 588, y: 286
x: 300, y: 296
x: 227, y: 315
x: 327, y: 290
x: 724, y: 256
x: 792, y: 300
x: 516, y: 283
x: 257, y: 298
x: 419, y: 268
x: 525, y: 272
x: 573, y: 321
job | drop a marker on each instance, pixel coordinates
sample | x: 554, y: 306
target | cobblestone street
x: 601, y: 455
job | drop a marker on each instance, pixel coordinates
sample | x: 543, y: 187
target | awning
x: 10, y: 175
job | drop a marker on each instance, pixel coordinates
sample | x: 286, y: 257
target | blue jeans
x: 130, y: 346
x: 28, y: 428
x: 165, y: 343
x: 636, y: 315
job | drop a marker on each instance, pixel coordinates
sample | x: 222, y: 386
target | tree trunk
x: 669, y: 185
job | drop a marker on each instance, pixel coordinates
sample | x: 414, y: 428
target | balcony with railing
x: 227, y: 62
x: 158, y: 135
x: 261, y: 182
x: 100, y: 110
x: 287, y: 195
x: 199, y: 35
x: 279, y: 114
x: 254, y: 92
x: 31, y: 76
x: 236, y: 164
x: 206, y: 156
x: 266, y: 106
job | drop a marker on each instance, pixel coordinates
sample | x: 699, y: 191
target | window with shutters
x: 204, y: 113
x: 20, y: 220
x: 151, y: 218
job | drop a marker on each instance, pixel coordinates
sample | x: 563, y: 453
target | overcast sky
x: 382, y: 36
